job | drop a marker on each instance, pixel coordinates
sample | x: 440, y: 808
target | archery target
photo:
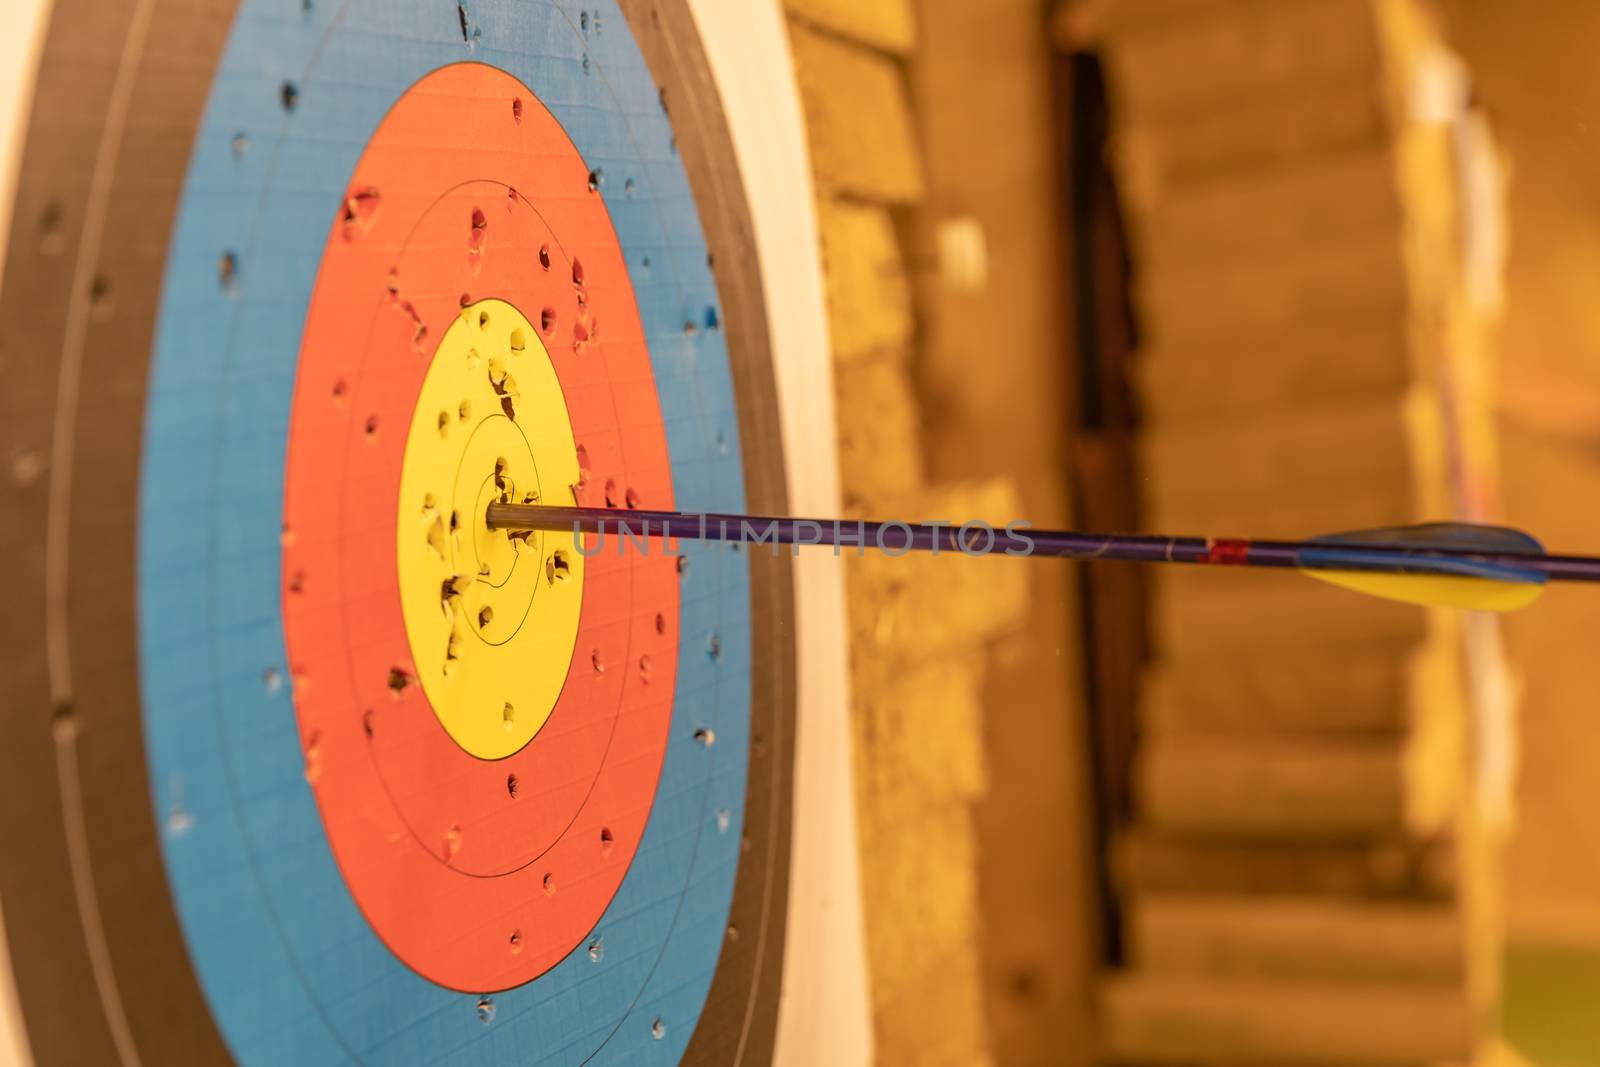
x: 421, y: 792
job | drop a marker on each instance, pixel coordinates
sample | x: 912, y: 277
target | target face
x: 409, y: 790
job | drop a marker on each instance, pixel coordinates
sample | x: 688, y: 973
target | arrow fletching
x: 1444, y: 565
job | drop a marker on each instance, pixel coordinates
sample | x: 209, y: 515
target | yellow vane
x: 1435, y: 590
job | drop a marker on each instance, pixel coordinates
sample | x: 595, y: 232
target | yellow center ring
x: 491, y: 617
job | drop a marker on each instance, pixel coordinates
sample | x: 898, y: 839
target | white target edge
x: 824, y: 1014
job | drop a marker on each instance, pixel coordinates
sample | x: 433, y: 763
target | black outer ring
x: 102, y: 972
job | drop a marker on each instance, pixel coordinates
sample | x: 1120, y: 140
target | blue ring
x: 291, y: 971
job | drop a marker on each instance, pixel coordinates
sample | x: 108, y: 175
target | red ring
x: 474, y: 884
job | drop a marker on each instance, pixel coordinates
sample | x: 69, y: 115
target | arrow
x: 1463, y: 565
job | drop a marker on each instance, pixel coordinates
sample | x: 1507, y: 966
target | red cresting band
x: 1228, y: 552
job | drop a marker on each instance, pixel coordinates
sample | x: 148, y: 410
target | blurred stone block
x: 1289, y: 788
x: 1251, y: 134
x: 880, y: 452
x: 921, y: 940
x: 1205, y: 614
x: 886, y: 24
x: 869, y: 295
x: 1240, y: 50
x: 1303, y: 454
x: 1358, y: 360
x: 1199, y: 935
x: 1274, y: 212
x: 858, y: 119
x: 1144, y: 860
x: 1359, y: 274
x: 1149, y: 1019
x: 919, y: 735
x: 1365, y: 688
x: 919, y: 606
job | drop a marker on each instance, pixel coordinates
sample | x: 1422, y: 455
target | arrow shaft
x: 898, y: 538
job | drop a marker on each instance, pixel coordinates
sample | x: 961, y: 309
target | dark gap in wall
x: 1104, y: 459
